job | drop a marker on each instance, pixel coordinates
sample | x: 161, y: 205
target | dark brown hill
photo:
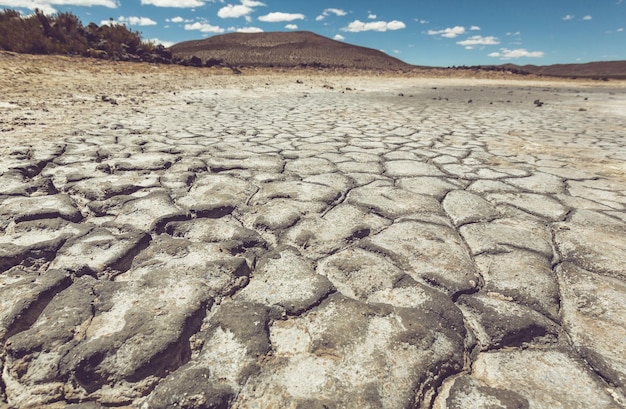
x: 598, y: 70
x: 285, y: 49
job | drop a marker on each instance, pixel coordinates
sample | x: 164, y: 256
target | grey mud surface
x: 272, y: 244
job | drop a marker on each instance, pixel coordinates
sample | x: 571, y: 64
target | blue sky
x: 423, y: 32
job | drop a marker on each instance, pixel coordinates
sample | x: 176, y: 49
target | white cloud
x: 474, y: 28
x: 278, y: 17
x: 371, y: 16
x: 230, y: 11
x: 517, y: 33
x: 479, y: 40
x: 506, y: 54
x: 249, y: 30
x: 173, y: 3
x: 136, y: 21
x: 395, y: 25
x: 338, y: 12
x: 131, y: 21
x: 328, y: 12
x: 239, y: 10
x: 358, y: 26
x: 422, y: 21
x: 587, y: 17
x: 87, y: 3
x: 47, y: 6
x: 619, y: 30
x: 339, y: 37
x: 31, y: 5
x: 291, y: 26
x: 165, y: 43
x: 451, y: 32
x: 568, y: 17
x: 177, y: 19
x: 204, y: 28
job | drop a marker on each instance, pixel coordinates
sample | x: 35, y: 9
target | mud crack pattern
x: 318, y: 247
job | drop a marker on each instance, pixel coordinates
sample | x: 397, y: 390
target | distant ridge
x: 597, y: 70
x: 285, y: 49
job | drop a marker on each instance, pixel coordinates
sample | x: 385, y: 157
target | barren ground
x: 182, y: 237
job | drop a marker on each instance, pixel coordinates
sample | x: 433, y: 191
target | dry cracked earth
x: 312, y: 242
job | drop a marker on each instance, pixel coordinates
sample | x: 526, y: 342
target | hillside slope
x: 599, y: 69
x: 285, y: 49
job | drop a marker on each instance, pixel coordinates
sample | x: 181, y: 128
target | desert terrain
x: 296, y: 238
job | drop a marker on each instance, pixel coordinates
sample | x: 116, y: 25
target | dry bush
x: 64, y: 33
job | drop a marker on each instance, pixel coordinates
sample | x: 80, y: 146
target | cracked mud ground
x: 257, y: 242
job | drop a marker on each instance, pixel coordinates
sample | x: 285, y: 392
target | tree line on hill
x: 64, y: 33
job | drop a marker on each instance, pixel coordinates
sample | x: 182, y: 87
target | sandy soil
x: 27, y: 76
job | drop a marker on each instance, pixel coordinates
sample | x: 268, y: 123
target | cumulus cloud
x: 328, y: 12
x: 165, y: 43
x: 372, y: 16
x: 291, y: 26
x: 451, y: 32
x: 339, y: 37
x: 239, y: 10
x: 204, y: 27
x: 47, y: 6
x: 568, y: 17
x: 358, y: 26
x: 506, y: 54
x: 587, y: 18
x: 474, y: 28
x: 278, y: 17
x: 134, y: 21
x: 234, y: 11
x: 479, y: 40
x: 173, y: 3
x: 249, y: 30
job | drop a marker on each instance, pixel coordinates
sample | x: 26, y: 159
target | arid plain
x: 188, y: 237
